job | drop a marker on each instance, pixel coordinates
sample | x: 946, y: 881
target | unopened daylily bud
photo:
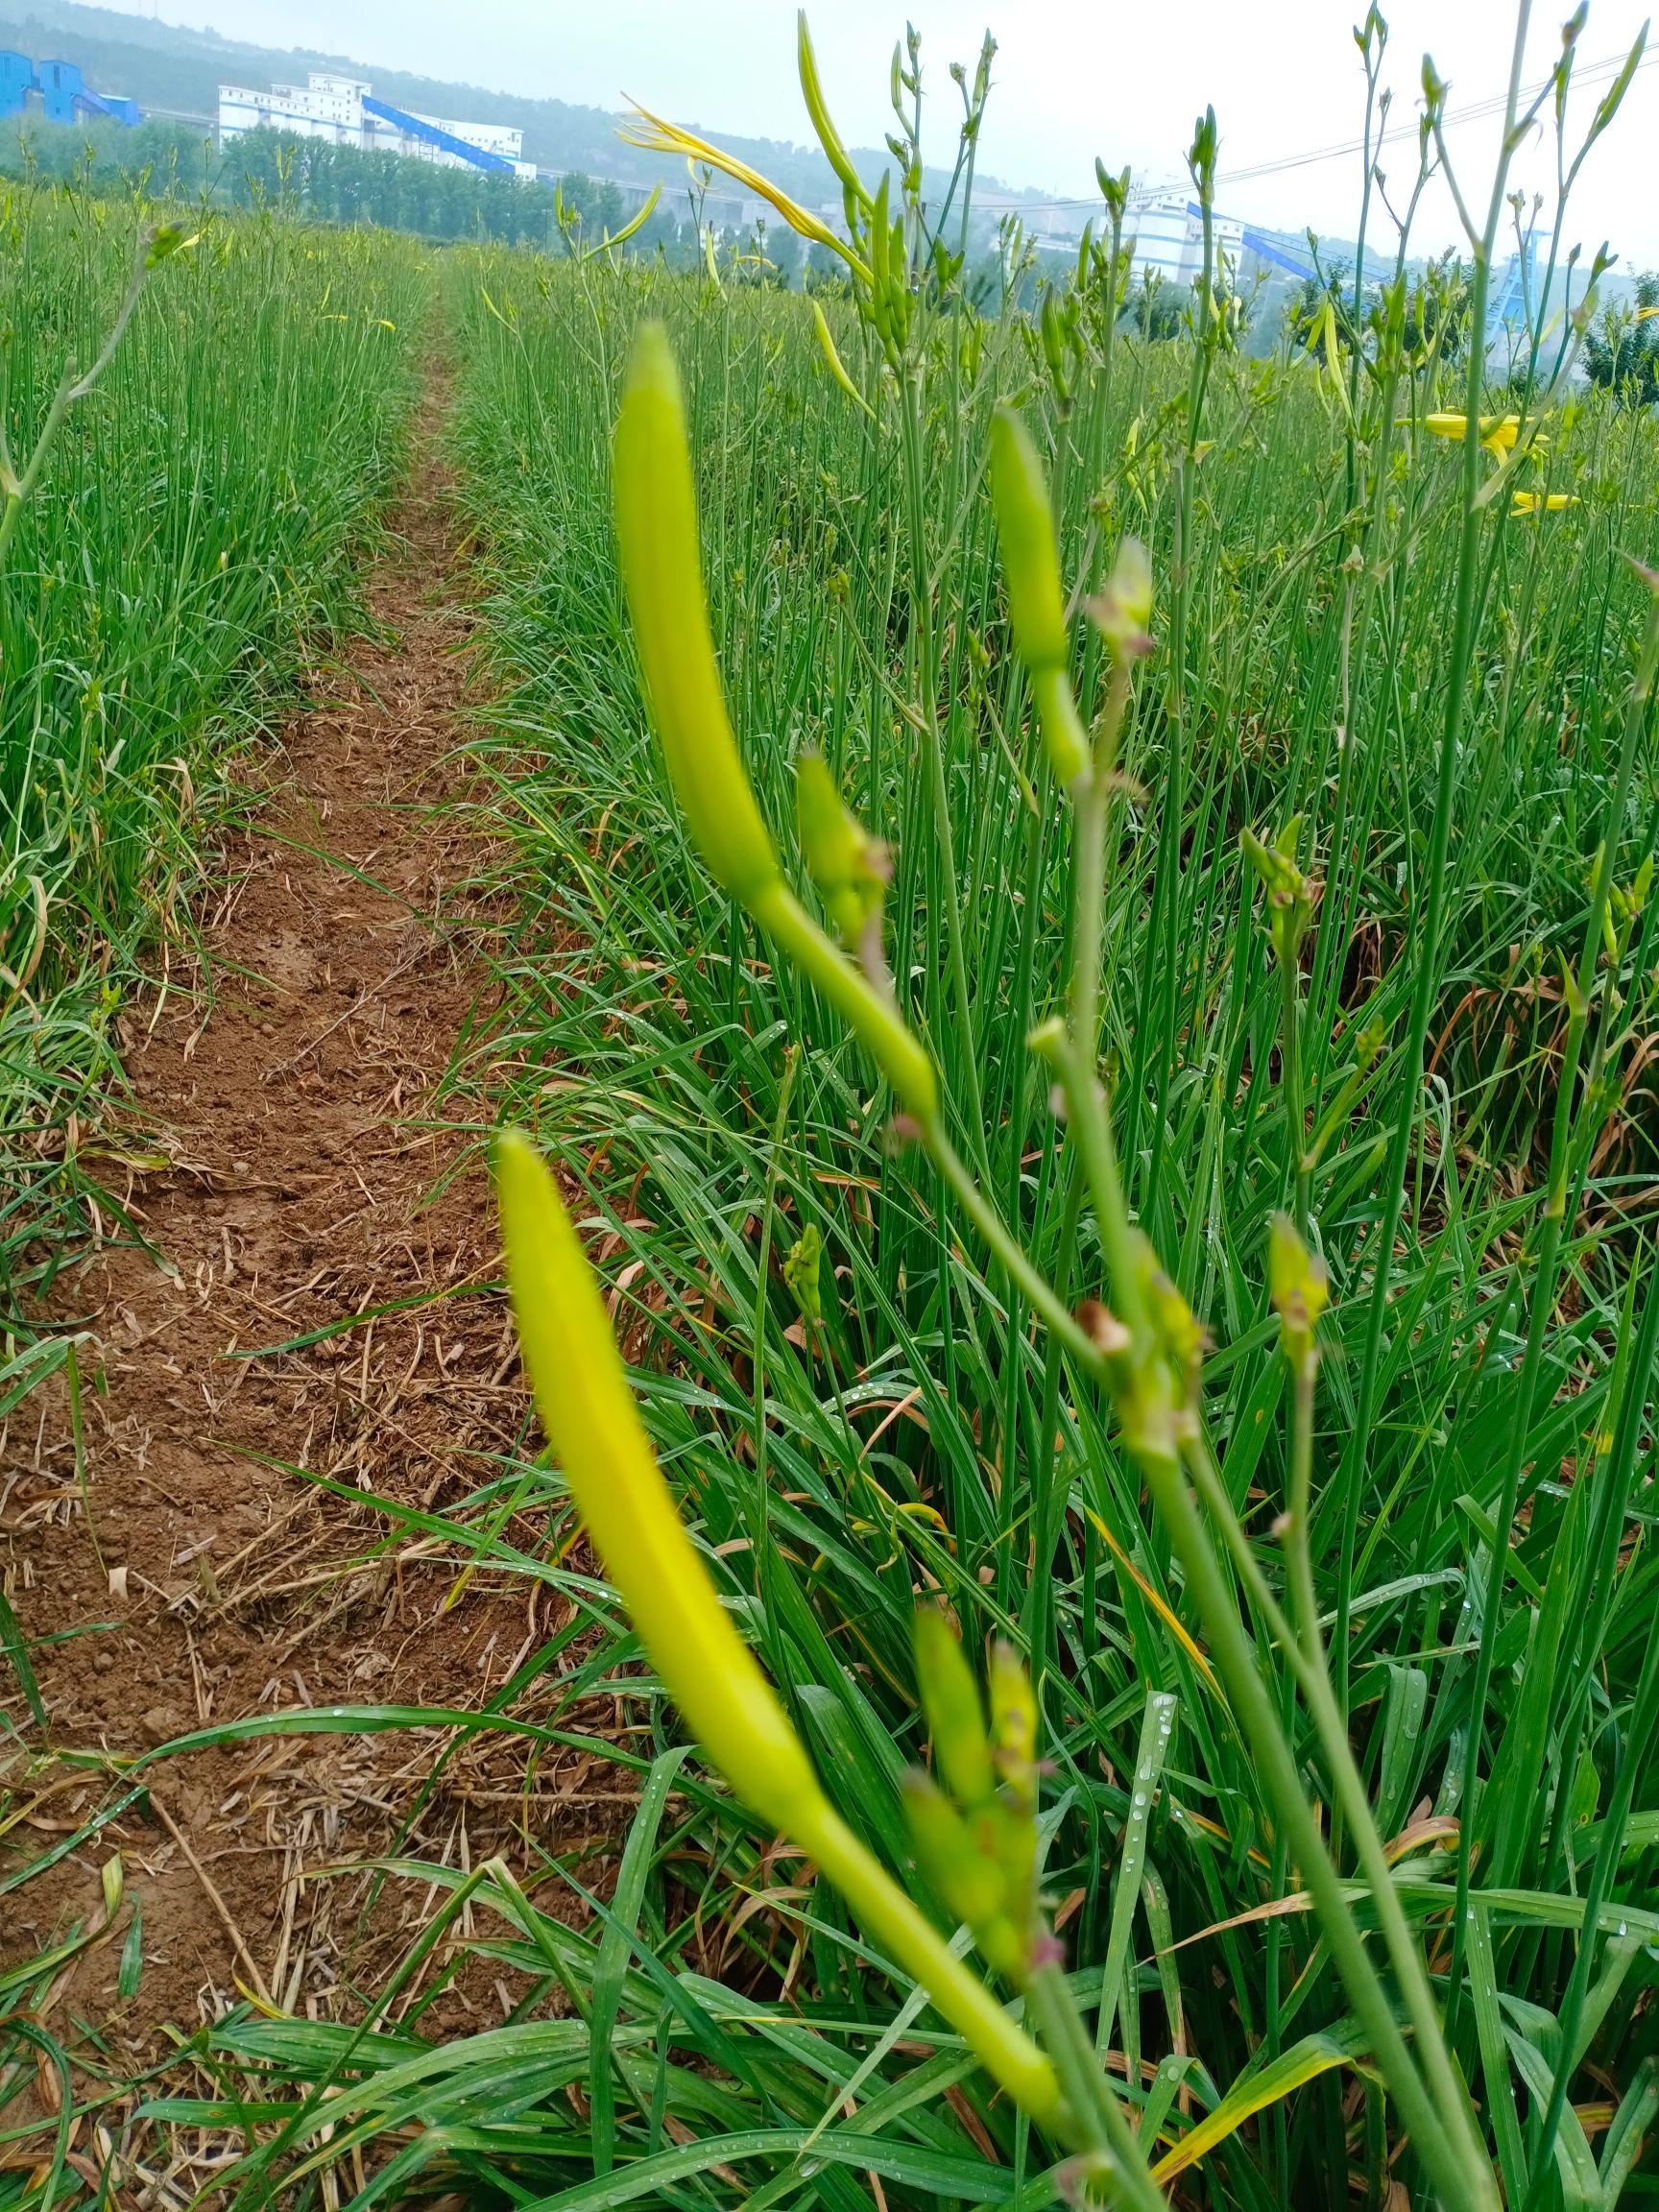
x: 1025, y: 531
x: 1036, y: 603
x: 1014, y: 1727
x: 801, y: 1272
x: 980, y: 1854
x: 966, y: 1880
x: 1298, y: 1285
x: 837, y: 366
x: 1178, y: 1329
x: 1201, y: 153
x: 591, y: 1417
x: 1289, y: 892
x: 962, y: 1863
x: 1122, y: 610
x: 950, y: 1701
x: 582, y: 1393
x: 1113, y: 190
x: 829, y: 138
x: 847, y: 866
x: 656, y: 528
x: 662, y: 569
x: 1054, y: 336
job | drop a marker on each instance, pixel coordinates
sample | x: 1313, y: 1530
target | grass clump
x: 189, y: 534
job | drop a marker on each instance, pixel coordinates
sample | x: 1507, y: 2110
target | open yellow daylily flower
x: 1551, y: 503
x: 1498, y: 432
x: 653, y: 135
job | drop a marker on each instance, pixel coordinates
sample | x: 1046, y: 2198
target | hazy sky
x: 1075, y: 78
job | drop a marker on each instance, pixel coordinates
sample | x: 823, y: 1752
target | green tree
x: 1623, y: 353
x: 1155, y: 307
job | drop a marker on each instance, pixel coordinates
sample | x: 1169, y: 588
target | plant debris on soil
x: 232, y: 1565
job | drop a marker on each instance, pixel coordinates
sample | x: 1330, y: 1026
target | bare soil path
x: 347, y: 954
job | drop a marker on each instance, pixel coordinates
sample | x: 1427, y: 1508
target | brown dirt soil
x: 309, y: 1177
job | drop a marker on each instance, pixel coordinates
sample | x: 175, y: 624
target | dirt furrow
x: 307, y: 1177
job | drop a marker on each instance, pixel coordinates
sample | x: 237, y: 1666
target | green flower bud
x: 1036, y: 603
x: 1299, y: 1289
x: 1122, y: 613
x: 950, y: 1701
x: 1014, y: 1727
x: 1026, y: 529
x: 968, y: 1882
x: 847, y: 864
x: 963, y: 1865
x: 801, y: 1272
x: 1289, y: 893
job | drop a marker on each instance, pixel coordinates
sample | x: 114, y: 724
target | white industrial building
x: 345, y: 111
x: 1168, y: 228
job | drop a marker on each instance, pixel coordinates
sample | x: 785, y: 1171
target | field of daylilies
x: 1078, y: 1166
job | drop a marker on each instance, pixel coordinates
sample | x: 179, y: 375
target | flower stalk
x: 588, y: 1412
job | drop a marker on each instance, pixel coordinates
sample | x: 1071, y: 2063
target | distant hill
x: 168, y: 69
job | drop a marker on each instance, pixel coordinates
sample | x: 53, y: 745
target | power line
x: 1589, y: 73
x: 1595, y: 72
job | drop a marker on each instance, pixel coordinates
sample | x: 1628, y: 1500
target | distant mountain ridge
x: 170, y: 69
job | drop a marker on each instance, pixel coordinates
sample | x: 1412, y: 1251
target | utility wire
x: 1586, y: 73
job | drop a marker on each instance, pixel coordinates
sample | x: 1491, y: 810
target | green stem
x: 1008, y: 2055
x: 933, y: 754
x: 1298, y: 1549
x: 1451, y: 2153
x: 1295, y: 1111
x: 761, y: 1536
x: 1098, y: 2123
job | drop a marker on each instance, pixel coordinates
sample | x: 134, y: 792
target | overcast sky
x: 1075, y: 78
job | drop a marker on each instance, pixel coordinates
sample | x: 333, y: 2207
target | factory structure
x: 1167, y: 231
x: 57, y: 91
x: 344, y: 111
x: 1168, y: 228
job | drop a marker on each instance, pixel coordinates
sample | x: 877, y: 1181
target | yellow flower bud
x: 829, y: 138
x: 588, y: 1412
x: 662, y: 569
